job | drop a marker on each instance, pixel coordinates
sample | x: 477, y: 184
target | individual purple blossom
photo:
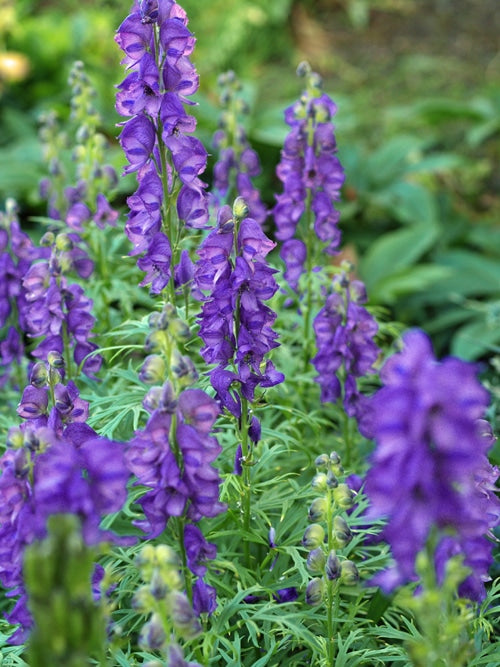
x: 312, y: 176
x: 346, y: 350
x: 157, y: 137
x: 430, y: 468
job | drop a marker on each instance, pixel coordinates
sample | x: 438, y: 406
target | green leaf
x: 408, y: 202
x: 475, y: 339
x: 388, y: 162
x: 408, y: 281
x: 396, y: 251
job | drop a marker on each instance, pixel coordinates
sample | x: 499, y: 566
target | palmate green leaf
x: 395, y: 251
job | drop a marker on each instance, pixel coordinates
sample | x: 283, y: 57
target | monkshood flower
x: 58, y: 311
x: 17, y: 252
x: 157, y: 139
x: 235, y: 324
x: 346, y: 350
x: 312, y: 176
x: 430, y: 472
x: 54, y: 464
x: 177, y: 468
x: 237, y: 162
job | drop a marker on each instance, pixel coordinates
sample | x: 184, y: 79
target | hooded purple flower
x: 178, y: 482
x: 344, y: 338
x: 309, y: 169
x: 157, y: 45
x: 430, y: 466
x: 235, y: 324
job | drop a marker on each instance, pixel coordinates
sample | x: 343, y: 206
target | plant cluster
x: 245, y: 464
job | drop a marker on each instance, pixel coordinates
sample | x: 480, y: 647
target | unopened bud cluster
x: 162, y: 598
x: 165, y: 360
x: 328, y: 533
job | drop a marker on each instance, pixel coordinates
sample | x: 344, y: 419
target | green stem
x: 246, y: 477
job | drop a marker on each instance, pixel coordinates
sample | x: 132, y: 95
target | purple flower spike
x: 309, y: 170
x: 156, y: 263
x: 430, y: 466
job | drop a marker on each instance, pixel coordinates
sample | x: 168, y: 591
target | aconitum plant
x: 235, y: 468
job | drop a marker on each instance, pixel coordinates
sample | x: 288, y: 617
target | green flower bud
x: 333, y: 566
x: 314, y: 536
x: 319, y: 482
x: 317, y: 510
x: 349, y: 573
x: 152, y: 399
x: 47, y: 239
x: 322, y: 462
x: 55, y: 359
x: 240, y: 208
x: 39, y: 375
x: 63, y: 242
x: 341, y: 531
x: 15, y: 438
x: 143, y: 600
x: 179, y: 330
x: 343, y: 496
x: 331, y: 481
x: 155, y: 341
x: 315, y: 591
x: 316, y: 560
x: 153, y: 369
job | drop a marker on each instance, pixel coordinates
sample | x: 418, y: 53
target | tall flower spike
x: 237, y: 162
x: 430, y: 467
x: 312, y: 176
x: 157, y: 137
x: 235, y: 324
x: 344, y: 337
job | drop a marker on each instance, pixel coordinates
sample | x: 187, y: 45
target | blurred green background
x: 417, y: 83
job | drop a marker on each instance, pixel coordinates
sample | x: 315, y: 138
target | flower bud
x: 322, y: 462
x: 343, y: 496
x: 153, y: 635
x: 331, y: 481
x: 316, y: 560
x: 151, y: 401
x: 183, y: 616
x: 15, y: 438
x: 317, y: 510
x: 39, y: 375
x: 55, y: 359
x: 64, y: 243
x: 158, y: 586
x: 341, y: 531
x: 152, y: 370
x: 315, y: 591
x: 349, y: 573
x: 319, y: 482
x: 179, y: 330
x: 240, y: 208
x: 47, y: 239
x: 333, y: 566
x: 314, y: 536
x: 155, y: 341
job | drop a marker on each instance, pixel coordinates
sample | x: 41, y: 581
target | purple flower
x: 157, y: 44
x: 344, y: 338
x: 204, y: 598
x: 309, y: 169
x: 198, y: 550
x: 192, y: 487
x: 430, y: 466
